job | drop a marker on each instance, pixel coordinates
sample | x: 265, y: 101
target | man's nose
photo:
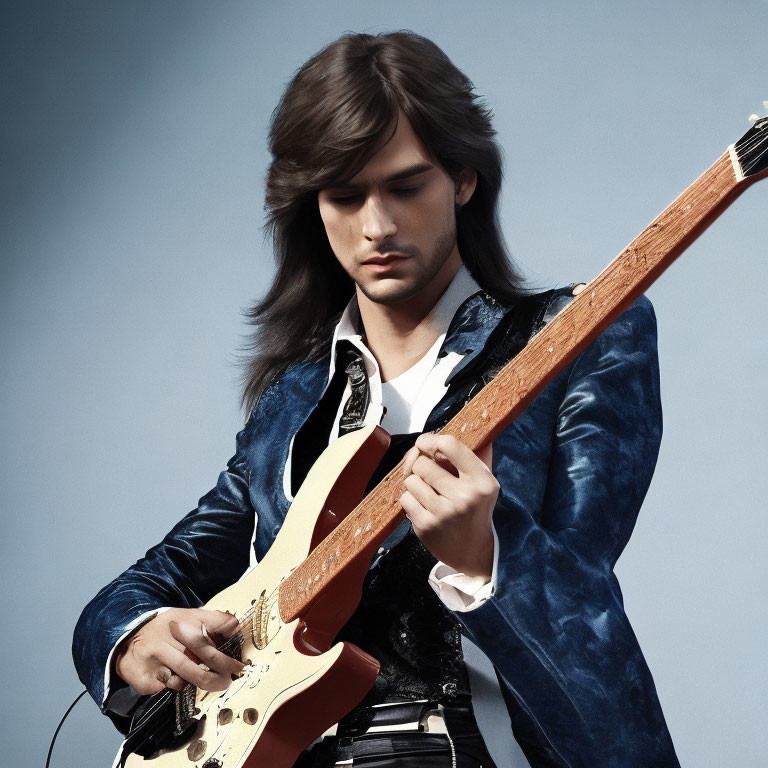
x: 378, y: 221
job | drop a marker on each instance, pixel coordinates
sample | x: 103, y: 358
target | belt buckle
x: 430, y: 721
x: 434, y: 722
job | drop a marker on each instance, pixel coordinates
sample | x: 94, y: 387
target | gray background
x: 133, y: 157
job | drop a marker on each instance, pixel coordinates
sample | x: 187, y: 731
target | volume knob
x: 196, y: 750
x: 250, y: 716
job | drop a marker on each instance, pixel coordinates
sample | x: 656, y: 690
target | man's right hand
x: 177, y: 647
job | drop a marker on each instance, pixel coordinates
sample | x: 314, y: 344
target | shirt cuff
x: 122, y: 701
x: 459, y: 592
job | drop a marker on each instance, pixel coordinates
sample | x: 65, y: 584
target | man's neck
x: 399, y: 335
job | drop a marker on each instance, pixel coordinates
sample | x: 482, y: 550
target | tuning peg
x: 753, y: 118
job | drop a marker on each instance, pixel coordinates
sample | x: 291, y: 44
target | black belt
x: 462, y: 746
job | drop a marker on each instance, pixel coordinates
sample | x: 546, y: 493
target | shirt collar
x: 349, y: 327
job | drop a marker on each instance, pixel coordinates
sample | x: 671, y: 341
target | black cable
x: 58, y: 728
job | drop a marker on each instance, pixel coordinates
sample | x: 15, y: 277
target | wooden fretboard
x: 483, y: 418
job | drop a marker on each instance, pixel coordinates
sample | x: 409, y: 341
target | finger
x: 191, y: 635
x: 194, y: 637
x: 423, y: 493
x: 218, y: 622
x: 485, y: 454
x: 163, y: 675
x: 458, y: 454
x: 175, y: 683
x: 411, y: 455
x: 148, y: 682
x: 436, y: 476
x: 138, y: 663
x: 155, y: 677
x: 144, y: 666
x: 421, y: 519
x: 168, y: 679
x: 189, y: 671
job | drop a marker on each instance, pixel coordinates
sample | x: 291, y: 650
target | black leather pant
x: 461, y: 747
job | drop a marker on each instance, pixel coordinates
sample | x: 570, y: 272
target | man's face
x: 393, y: 226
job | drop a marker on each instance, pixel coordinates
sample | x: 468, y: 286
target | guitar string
x: 756, y: 160
x: 758, y: 133
x: 752, y: 141
x: 748, y: 146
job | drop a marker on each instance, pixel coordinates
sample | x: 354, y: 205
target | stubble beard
x: 395, y: 291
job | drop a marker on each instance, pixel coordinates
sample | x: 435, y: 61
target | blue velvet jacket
x: 573, y: 468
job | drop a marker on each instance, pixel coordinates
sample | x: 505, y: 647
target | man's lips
x: 386, y: 258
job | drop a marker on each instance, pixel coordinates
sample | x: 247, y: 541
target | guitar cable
x: 58, y: 727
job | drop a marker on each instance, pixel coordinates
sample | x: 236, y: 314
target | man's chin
x: 389, y: 291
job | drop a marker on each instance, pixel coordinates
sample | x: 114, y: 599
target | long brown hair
x: 339, y: 109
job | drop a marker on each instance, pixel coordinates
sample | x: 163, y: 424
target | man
x: 392, y: 304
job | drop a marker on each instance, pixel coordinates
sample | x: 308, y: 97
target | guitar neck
x: 597, y: 305
x: 483, y: 418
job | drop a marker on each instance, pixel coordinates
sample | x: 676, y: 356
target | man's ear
x: 465, y: 185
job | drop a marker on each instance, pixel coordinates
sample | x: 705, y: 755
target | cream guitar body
x: 295, y: 685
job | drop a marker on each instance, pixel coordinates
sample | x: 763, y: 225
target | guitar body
x: 296, y: 685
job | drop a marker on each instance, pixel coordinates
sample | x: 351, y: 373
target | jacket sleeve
x: 579, y: 690
x: 205, y: 552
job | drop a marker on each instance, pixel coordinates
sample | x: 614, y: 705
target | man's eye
x: 345, y: 199
x: 407, y: 191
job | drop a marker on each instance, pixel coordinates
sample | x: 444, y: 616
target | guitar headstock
x: 752, y: 148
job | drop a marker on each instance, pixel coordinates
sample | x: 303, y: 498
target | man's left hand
x: 450, y: 497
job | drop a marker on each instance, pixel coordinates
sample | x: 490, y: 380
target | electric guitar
x: 297, y: 682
